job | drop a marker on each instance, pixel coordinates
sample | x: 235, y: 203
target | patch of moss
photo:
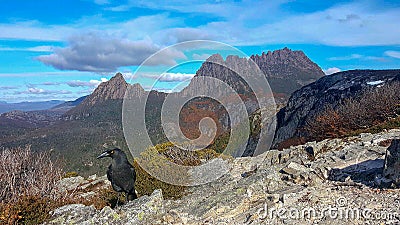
x: 140, y: 216
x: 70, y: 174
x: 145, y: 185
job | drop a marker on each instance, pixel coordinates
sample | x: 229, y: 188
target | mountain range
x: 94, y: 122
x: 28, y: 106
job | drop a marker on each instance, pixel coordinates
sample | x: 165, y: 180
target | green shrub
x: 157, y: 158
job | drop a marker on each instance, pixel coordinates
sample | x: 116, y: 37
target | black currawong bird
x: 121, y: 173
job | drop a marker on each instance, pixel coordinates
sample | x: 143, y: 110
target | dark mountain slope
x: 329, y: 91
x: 64, y: 107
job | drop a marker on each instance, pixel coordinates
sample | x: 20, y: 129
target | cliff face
x: 110, y: 91
x: 113, y: 89
x: 280, y: 63
x: 330, y: 90
x: 285, y: 70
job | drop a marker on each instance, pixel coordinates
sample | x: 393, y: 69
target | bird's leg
x: 119, y: 193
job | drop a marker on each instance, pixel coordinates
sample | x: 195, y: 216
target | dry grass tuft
x: 27, y: 186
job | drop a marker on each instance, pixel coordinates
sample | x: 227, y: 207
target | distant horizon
x: 146, y: 89
x: 63, y: 50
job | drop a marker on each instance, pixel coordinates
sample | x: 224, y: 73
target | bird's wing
x: 111, y: 179
x: 109, y: 173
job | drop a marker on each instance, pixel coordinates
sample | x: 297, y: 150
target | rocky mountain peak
x: 113, y: 89
x: 215, y: 58
x: 286, y: 70
x: 287, y: 57
x: 118, y: 78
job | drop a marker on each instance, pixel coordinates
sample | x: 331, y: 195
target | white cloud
x: 168, y: 77
x: 357, y: 56
x: 346, y: 24
x: 201, y: 56
x: 345, y: 58
x: 91, y: 83
x: 41, y: 74
x: 97, y: 53
x: 176, y: 35
x: 43, y: 48
x: 33, y: 30
x: 40, y: 91
x: 175, y: 77
x: 98, y: 45
x: 349, y: 24
x: 393, y: 54
x: 225, y: 9
x: 8, y: 87
x: 332, y: 70
x: 135, y: 29
x: 36, y: 90
x: 49, y: 83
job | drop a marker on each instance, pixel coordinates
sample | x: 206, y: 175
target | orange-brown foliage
x: 353, y: 115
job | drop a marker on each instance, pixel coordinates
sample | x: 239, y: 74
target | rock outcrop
x: 327, y: 91
x: 142, y: 211
x: 392, y: 162
x: 329, y: 182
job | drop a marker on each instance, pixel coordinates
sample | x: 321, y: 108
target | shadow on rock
x: 368, y: 172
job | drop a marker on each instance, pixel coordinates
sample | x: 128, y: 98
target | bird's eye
x: 112, y: 152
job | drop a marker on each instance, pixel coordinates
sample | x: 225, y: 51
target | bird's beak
x: 104, y: 154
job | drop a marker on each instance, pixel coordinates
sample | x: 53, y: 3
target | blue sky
x: 64, y: 49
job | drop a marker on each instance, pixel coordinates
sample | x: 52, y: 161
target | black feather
x: 121, y: 173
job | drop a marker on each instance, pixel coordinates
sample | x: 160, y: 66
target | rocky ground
x: 335, y: 181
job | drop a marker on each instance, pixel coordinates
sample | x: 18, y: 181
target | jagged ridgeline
x: 85, y: 130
